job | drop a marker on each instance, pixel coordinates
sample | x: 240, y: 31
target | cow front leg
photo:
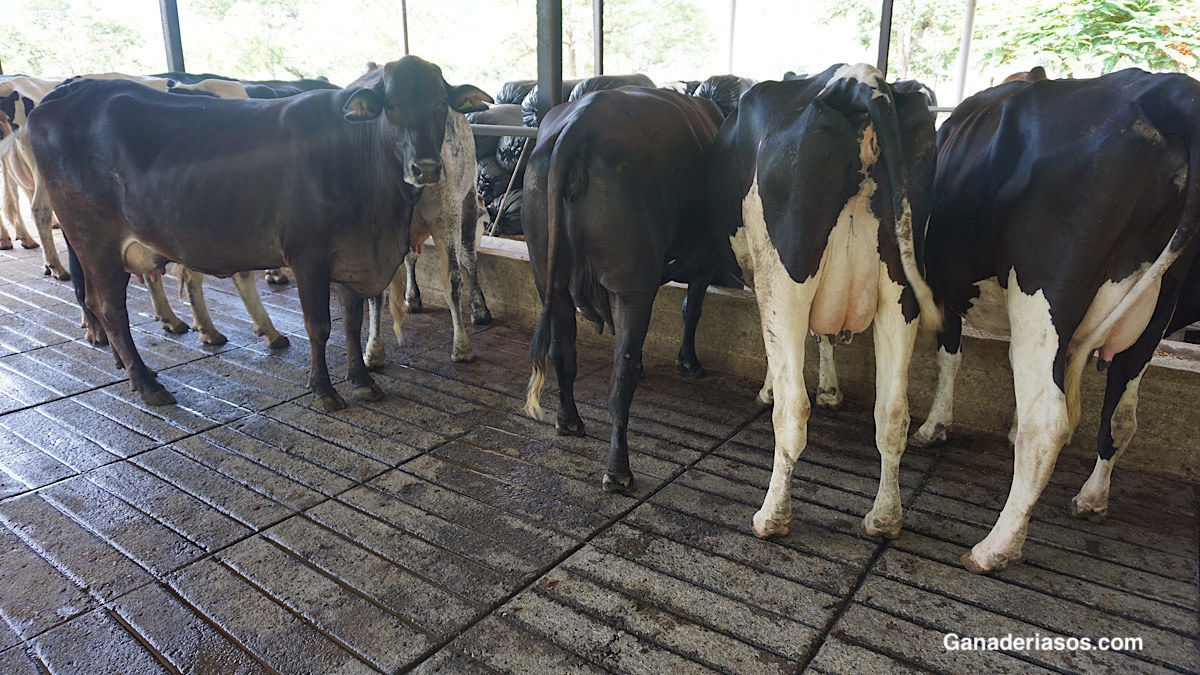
x: 631, y: 316
x: 376, y: 355
x: 829, y: 395
x: 263, y: 327
x: 163, y: 313
x: 12, y: 212
x: 693, y: 304
x: 1043, y: 426
x: 312, y: 284
x: 202, y: 321
x: 894, y: 339
x: 412, y: 292
x: 365, y: 388
x: 941, y: 412
x: 106, y: 298
x: 452, y: 283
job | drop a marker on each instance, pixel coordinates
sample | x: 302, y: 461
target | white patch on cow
x: 1092, y: 499
x: 741, y: 251
x: 1043, y: 426
x: 941, y: 412
x: 860, y: 72
x: 1128, y: 328
x: 785, y: 307
x: 989, y: 310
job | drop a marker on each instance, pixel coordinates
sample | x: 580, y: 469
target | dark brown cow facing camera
x: 323, y: 182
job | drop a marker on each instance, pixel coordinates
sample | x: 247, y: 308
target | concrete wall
x: 729, y: 339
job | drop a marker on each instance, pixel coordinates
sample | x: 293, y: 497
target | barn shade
x: 171, y: 37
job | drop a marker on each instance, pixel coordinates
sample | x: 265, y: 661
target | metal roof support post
x: 885, y: 36
x: 964, y: 50
x: 598, y: 36
x: 732, y: 24
x: 404, y: 23
x: 171, y: 38
x: 549, y: 55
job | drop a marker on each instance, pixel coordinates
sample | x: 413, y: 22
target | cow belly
x: 1128, y: 328
x: 848, y: 277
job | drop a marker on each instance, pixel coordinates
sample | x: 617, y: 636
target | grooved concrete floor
x: 440, y: 530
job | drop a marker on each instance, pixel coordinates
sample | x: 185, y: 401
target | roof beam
x: 171, y: 37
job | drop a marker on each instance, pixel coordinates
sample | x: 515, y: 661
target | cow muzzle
x: 425, y: 172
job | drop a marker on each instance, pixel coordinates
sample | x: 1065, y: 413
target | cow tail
x: 1185, y: 240
x: 887, y: 128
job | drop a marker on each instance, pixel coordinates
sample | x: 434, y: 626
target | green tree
x: 925, y: 34
x: 1091, y: 35
x: 60, y: 37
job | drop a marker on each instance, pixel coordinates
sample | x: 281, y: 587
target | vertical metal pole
x: 171, y: 38
x: 885, y: 36
x: 598, y: 36
x: 732, y: 23
x: 964, y: 50
x: 549, y: 55
x: 404, y: 23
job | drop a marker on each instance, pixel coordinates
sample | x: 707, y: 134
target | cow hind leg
x: 452, y: 283
x: 894, y: 339
x: 469, y: 259
x: 412, y: 292
x: 631, y: 316
x: 275, y: 276
x: 1043, y: 427
x: 95, y: 332
x: 261, y: 321
x: 693, y: 303
x: 941, y: 412
x: 365, y: 388
x: 42, y: 216
x: 375, y: 354
x: 202, y: 321
x: 563, y: 328
x: 106, y: 299
x: 163, y: 313
x: 12, y: 209
x: 829, y: 395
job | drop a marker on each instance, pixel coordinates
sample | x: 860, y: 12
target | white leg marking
x: 829, y: 395
x: 941, y: 413
x: 374, y: 356
x: 1092, y: 500
x: 1042, y: 429
x: 248, y: 292
x: 894, y: 339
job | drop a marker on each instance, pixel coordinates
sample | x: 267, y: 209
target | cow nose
x: 426, y: 171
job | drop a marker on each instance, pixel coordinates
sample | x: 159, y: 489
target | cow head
x: 412, y: 99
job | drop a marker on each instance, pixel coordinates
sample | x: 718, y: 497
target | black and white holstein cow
x: 1065, y: 216
x: 447, y: 211
x: 830, y: 176
x: 323, y: 182
x: 614, y: 207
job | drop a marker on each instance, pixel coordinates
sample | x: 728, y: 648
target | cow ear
x: 363, y: 105
x: 466, y: 98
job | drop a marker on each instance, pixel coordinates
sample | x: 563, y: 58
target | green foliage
x: 925, y: 34
x: 64, y: 36
x: 1092, y: 35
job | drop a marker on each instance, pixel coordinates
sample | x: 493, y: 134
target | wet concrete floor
x: 441, y: 530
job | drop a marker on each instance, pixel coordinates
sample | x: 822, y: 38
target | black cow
x: 724, y: 90
x: 323, y: 182
x: 831, y: 178
x: 1066, y: 215
x: 613, y: 208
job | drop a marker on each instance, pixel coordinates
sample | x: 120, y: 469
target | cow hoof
x: 61, y: 275
x: 925, y: 439
x: 371, y: 392
x: 766, y: 397
x: 998, y: 562
x: 481, y: 318
x: 177, y: 326
x: 5, y: 245
x: 575, y: 430
x: 765, y: 526
x: 829, y: 398
x: 280, y: 342
x: 693, y: 370
x: 414, y: 306
x: 613, y: 484
x: 1085, y: 511
x: 213, y: 339
x: 29, y: 243
x: 462, y: 357
x: 158, y: 397
x: 276, y: 277
x: 332, y: 402
x: 879, y: 526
